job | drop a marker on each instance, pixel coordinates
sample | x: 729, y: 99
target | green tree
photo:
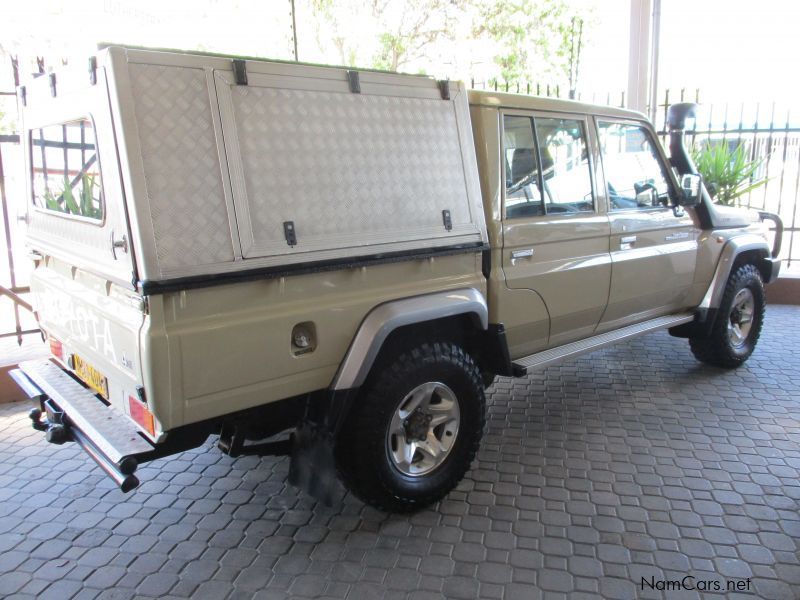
x: 408, y: 37
x: 399, y: 33
x: 331, y: 20
x: 527, y: 39
x: 536, y: 39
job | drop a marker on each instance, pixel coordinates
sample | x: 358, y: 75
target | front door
x: 555, y: 236
x: 653, y: 242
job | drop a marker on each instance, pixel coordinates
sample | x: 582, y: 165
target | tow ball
x: 55, y: 431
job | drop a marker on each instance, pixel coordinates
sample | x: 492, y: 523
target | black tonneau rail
x: 150, y: 287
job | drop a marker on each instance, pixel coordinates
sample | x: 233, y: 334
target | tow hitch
x: 57, y: 431
x: 69, y: 412
x: 53, y: 426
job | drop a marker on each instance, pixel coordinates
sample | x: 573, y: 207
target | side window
x: 523, y: 198
x: 633, y: 170
x: 65, y: 170
x: 565, y: 166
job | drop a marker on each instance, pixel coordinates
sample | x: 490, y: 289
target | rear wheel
x: 415, y: 429
x: 738, y: 325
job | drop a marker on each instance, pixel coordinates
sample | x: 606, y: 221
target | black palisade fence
x: 13, y: 283
x: 548, y: 90
x: 763, y: 137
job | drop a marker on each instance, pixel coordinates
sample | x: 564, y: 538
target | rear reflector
x: 141, y: 415
x: 56, y: 349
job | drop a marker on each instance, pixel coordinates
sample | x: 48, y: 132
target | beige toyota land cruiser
x: 334, y: 264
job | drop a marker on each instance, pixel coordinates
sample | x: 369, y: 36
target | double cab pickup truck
x: 335, y: 264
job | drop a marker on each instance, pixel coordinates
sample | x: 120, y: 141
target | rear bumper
x: 75, y: 413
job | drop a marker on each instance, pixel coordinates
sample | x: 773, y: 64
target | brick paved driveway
x: 635, y: 462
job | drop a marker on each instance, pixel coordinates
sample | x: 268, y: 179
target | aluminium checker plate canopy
x: 282, y: 164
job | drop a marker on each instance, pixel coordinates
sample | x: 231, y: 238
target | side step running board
x: 556, y: 355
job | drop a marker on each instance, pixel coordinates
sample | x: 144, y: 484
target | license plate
x: 90, y: 376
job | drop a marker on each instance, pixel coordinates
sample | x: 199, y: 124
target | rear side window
x: 547, y: 169
x: 65, y: 167
x: 565, y: 166
x: 521, y: 162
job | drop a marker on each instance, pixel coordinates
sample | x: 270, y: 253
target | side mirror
x: 691, y: 186
x: 646, y: 193
x: 647, y: 197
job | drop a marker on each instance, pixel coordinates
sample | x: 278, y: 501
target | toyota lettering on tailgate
x: 84, y: 324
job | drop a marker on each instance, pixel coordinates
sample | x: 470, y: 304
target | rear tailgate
x: 93, y: 327
x: 91, y: 392
x: 83, y: 284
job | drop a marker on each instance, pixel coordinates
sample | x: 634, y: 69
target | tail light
x: 141, y: 415
x: 56, y: 348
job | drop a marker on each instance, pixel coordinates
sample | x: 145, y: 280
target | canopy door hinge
x: 444, y: 88
x: 354, y: 82
x: 239, y: 71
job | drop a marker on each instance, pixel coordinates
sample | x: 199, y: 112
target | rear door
x: 555, y: 233
x: 653, y: 243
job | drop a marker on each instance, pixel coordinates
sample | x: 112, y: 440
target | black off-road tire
x: 363, y: 457
x: 718, y: 349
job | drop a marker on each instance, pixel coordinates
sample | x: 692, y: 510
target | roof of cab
x: 525, y: 102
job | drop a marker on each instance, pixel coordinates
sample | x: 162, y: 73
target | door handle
x: 527, y: 253
x: 118, y: 244
x: 626, y: 242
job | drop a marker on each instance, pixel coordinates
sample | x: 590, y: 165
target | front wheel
x: 738, y: 324
x: 415, y: 429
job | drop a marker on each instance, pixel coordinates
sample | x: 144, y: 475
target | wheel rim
x: 740, y: 319
x: 424, y: 428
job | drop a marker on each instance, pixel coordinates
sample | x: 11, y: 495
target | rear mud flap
x: 313, y: 464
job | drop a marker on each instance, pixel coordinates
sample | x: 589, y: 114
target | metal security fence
x: 16, y: 318
x: 549, y: 90
x: 767, y: 135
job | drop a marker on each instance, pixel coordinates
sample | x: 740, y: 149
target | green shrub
x: 730, y: 172
x: 67, y: 202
